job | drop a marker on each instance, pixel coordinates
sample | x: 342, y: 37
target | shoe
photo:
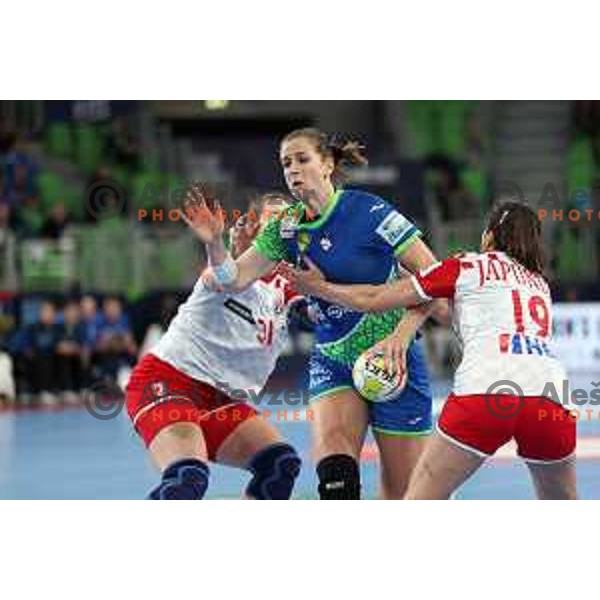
x: 70, y: 398
x: 48, y: 399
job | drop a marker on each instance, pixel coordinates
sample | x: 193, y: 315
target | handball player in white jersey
x: 177, y: 395
x: 509, y: 383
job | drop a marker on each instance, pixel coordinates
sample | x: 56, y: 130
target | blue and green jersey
x: 357, y: 239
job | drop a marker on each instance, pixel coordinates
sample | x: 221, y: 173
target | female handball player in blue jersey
x: 509, y: 384
x: 178, y: 395
x: 354, y: 237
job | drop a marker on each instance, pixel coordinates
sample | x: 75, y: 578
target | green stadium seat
x: 59, y: 140
x: 146, y: 190
x: 474, y: 181
x: 75, y: 202
x: 43, y: 267
x: 174, y: 184
x: 570, y: 248
x: 52, y: 189
x: 31, y: 218
x: 420, y: 118
x: 89, y: 147
x: 173, y: 271
x: 453, y: 124
x: 122, y: 175
x: 580, y: 164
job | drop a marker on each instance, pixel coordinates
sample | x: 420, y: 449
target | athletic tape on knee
x: 275, y: 470
x: 339, y: 478
x: 183, y: 480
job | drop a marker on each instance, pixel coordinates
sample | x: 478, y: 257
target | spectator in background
x: 18, y: 189
x: 56, y: 223
x: 102, y: 197
x: 20, y: 174
x: 40, y: 345
x: 28, y: 217
x: 7, y: 380
x: 115, y: 347
x: 5, y: 220
x: 90, y: 323
x: 121, y: 146
x: 69, y: 353
x: 8, y: 250
x: 169, y: 304
x: 8, y: 138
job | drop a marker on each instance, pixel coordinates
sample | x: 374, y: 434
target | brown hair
x: 344, y: 154
x: 518, y: 232
x: 260, y: 202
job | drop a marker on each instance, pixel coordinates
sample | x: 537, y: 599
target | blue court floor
x: 68, y: 454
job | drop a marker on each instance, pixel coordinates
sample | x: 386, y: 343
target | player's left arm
x: 417, y: 257
x: 359, y: 297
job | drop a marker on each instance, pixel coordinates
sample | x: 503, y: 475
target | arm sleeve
x: 268, y: 242
x: 392, y: 229
x: 438, y: 280
x: 279, y: 282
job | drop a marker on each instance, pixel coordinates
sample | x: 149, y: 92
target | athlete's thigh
x: 442, y: 468
x: 410, y: 412
x: 555, y: 481
x: 340, y: 415
x: 546, y: 437
x: 402, y: 426
x: 339, y: 425
x: 176, y: 442
x: 249, y: 438
x: 398, y: 455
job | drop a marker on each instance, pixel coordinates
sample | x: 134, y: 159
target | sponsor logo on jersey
x: 336, y: 312
x: 241, y: 310
x: 326, y: 243
x: 303, y: 240
x: 288, y: 227
x: 158, y: 389
x: 393, y: 228
x: 519, y: 343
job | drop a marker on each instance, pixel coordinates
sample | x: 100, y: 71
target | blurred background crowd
x: 86, y: 281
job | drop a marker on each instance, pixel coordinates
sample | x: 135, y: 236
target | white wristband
x: 226, y: 273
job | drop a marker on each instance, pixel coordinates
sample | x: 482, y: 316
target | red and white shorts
x: 159, y: 395
x: 544, y: 431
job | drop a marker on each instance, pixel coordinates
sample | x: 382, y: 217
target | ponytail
x: 517, y: 231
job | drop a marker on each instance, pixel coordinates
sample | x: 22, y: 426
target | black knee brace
x: 339, y: 478
x: 185, y: 479
x: 275, y: 469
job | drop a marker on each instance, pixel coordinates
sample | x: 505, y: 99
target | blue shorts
x: 407, y: 414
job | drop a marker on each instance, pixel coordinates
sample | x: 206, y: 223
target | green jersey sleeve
x: 268, y: 242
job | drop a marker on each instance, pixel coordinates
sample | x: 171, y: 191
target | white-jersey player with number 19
x: 186, y: 396
x: 509, y: 383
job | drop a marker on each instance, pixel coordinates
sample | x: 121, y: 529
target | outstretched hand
x: 208, y: 224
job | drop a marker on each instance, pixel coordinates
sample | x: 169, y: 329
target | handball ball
x: 371, y: 379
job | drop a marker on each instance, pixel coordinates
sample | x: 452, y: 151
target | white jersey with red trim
x: 230, y: 340
x: 503, y: 315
